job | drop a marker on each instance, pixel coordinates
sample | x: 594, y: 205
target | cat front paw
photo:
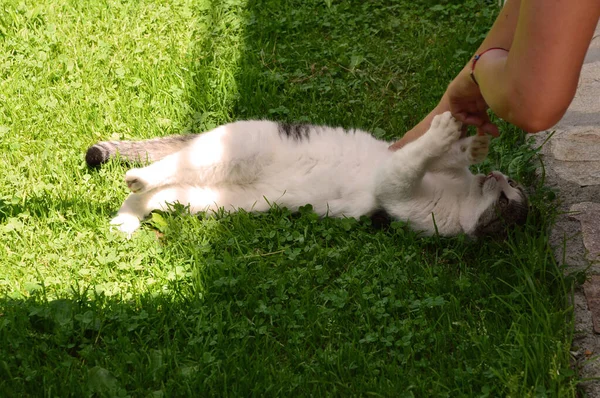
x: 135, y: 181
x: 478, y: 149
x: 444, y: 131
x: 126, y: 223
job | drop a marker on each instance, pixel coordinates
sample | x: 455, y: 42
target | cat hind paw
x: 126, y: 223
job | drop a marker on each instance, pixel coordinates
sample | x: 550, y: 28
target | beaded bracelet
x: 476, y: 58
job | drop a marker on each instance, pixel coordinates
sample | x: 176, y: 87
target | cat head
x: 501, y: 203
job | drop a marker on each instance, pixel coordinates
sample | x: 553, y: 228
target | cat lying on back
x: 251, y: 165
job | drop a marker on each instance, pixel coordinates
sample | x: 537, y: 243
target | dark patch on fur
x: 295, y: 131
x: 497, y: 219
x: 381, y: 219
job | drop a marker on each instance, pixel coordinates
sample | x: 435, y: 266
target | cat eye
x: 503, y: 200
x: 512, y: 183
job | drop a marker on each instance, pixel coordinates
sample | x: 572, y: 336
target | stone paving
x: 571, y: 160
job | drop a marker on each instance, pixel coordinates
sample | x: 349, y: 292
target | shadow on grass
x: 268, y: 309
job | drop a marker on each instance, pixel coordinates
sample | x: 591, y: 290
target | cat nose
x: 496, y: 175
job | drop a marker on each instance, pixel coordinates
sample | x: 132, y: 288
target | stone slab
x: 589, y: 72
x: 595, y: 39
x: 588, y: 213
x: 577, y: 145
x: 581, y: 173
x: 586, y: 104
x: 579, y: 118
x: 591, y: 290
x: 584, y: 110
x: 578, y: 185
x: 593, y: 55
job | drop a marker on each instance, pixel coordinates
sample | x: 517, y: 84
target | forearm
x: 423, y: 125
x: 500, y: 35
x: 533, y: 85
x: 502, y: 32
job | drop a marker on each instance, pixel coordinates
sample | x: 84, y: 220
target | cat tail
x: 136, y: 151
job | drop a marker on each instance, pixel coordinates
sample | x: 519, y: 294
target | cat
x: 253, y: 165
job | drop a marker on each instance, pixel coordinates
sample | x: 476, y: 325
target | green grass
x: 272, y: 304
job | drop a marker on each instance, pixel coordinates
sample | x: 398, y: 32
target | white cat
x: 251, y: 165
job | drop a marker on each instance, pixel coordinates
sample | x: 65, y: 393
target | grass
x: 245, y: 304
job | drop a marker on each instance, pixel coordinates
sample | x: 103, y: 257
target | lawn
x: 276, y: 304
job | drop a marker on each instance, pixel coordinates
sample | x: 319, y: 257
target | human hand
x: 464, y: 100
x: 467, y: 104
x: 424, y: 125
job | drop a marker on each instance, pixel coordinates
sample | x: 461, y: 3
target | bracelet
x: 476, y: 58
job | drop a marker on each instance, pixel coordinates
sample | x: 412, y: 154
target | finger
x: 489, y: 128
x: 396, y: 145
x: 474, y: 120
x: 460, y: 116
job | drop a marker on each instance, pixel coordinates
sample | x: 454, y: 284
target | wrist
x: 442, y: 106
x: 492, y: 53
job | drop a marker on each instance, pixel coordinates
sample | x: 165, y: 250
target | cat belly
x: 325, y: 202
x: 255, y: 198
x: 332, y: 189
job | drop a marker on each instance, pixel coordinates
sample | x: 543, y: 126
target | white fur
x: 249, y: 165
